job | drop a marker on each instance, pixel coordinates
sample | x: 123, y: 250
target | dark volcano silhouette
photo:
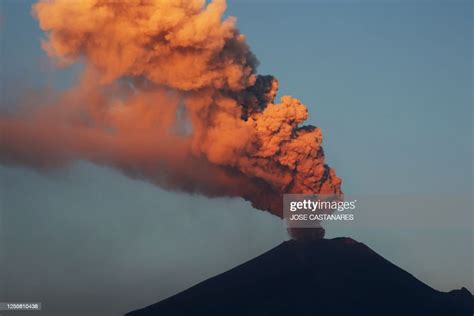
x: 318, y: 277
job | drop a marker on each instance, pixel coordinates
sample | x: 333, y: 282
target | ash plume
x: 169, y: 94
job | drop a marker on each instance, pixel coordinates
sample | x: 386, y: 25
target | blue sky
x: 388, y: 82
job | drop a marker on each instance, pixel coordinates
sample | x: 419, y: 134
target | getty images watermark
x: 309, y: 210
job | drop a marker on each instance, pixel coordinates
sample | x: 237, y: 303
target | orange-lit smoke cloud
x: 169, y: 94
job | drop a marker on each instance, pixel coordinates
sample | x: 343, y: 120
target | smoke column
x: 169, y: 94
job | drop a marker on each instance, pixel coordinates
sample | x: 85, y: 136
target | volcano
x: 315, y: 277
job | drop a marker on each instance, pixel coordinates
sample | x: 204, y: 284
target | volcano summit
x: 315, y: 277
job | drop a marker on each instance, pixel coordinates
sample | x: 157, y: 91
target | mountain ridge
x: 337, y: 276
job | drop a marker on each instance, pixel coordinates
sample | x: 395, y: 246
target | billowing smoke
x: 169, y: 94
